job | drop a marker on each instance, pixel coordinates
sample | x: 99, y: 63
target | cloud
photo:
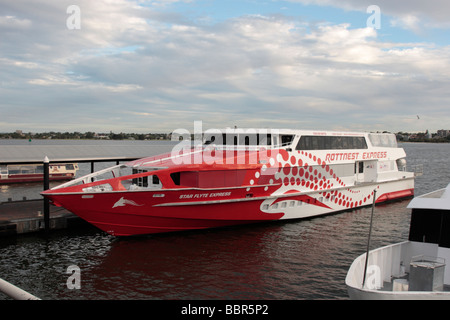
x: 132, y: 67
x: 412, y: 14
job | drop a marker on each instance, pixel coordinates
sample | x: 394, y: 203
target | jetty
x: 20, y: 217
x: 36, y: 215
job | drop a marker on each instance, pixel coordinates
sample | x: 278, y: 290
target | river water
x: 296, y: 260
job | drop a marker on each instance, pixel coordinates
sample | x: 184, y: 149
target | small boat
x: 414, y: 269
x: 240, y: 176
x: 19, y: 173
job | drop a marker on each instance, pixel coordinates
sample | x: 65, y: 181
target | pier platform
x: 21, y: 217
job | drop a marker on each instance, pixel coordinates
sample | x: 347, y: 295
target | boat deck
x: 389, y: 286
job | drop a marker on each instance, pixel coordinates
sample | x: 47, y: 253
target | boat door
x: 366, y: 171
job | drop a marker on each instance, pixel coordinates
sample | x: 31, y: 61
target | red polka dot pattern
x: 303, y: 171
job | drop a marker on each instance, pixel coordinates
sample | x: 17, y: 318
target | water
x: 306, y: 259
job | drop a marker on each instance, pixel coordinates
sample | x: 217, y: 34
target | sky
x: 157, y: 66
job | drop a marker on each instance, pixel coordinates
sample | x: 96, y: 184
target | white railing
x: 15, y: 292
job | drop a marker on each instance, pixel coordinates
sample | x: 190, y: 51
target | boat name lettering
x: 354, y: 156
x: 204, y: 195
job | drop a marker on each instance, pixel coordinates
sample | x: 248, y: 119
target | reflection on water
x: 306, y: 259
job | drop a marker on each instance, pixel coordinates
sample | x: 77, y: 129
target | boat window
x: 383, y: 140
x: 141, y: 181
x: 430, y: 226
x: 69, y: 166
x: 14, y: 169
x: 229, y: 139
x: 146, y: 181
x: 212, y: 138
x: 248, y: 139
x: 244, y: 139
x: 286, y: 139
x: 275, y: 140
x: 265, y: 139
x: 3, y: 169
x: 27, y: 169
x: 359, y: 167
x: 330, y: 143
x: 175, y: 178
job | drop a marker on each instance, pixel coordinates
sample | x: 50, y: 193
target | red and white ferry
x: 240, y: 176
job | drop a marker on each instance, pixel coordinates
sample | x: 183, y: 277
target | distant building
x: 443, y: 133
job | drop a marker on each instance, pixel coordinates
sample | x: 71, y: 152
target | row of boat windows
x: 330, y: 143
x: 248, y: 139
x: 30, y: 169
x: 305, y: 142
x: 293, y: 203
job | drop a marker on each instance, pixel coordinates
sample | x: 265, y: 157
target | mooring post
x: 46, y: 187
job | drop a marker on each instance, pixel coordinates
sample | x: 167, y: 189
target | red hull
x: 125, y: 224
x: 141, y: 213
x: 137, y: 215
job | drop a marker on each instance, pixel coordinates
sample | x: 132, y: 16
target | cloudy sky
x: 155, y: 66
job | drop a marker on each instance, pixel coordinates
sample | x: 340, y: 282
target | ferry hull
x: 136, y: 218
x: 137, y: 213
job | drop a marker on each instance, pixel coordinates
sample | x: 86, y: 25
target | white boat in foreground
x: 414, y: 269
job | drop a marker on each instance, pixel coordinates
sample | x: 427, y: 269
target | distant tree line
x: 401, y: 136
x: 422, y: 137
x: 86, y: 135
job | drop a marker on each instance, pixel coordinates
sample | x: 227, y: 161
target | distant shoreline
x: 84, y: 136
x: 128, y: 139
x: 402, y: 137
